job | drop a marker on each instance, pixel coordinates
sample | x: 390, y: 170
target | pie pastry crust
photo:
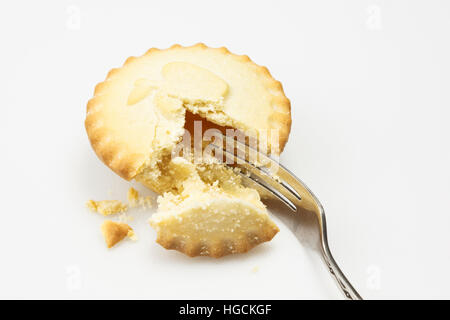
x: 118, y: 128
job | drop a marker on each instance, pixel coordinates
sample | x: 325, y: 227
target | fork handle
x: 346, y: 287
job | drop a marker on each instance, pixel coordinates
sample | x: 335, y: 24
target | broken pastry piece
x: 114, y: 232
x: 139, y: 115
x: 211, y: 219
x: 107, y: 207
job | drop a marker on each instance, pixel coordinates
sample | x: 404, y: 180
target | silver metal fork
x: 283, y: 185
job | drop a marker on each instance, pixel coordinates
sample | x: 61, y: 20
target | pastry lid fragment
x: 211, y: 219
x: 219, y: 226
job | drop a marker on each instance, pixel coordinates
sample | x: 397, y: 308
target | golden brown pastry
x: 114, y: 232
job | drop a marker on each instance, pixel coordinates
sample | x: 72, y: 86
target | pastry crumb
x: 107, y: 207
x: 146, y: 202
x: 124, y: 217
x: 136, y: 200
x: 132, y: 235
x: 114, y: 232
x: 255, y: 269
x: 133, y: 197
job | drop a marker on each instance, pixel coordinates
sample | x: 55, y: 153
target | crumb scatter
x: 107, y: 207
x: 136, y: 200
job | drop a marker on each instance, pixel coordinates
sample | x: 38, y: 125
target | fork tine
x: 265, y: 181
x: 256, y: 184
x: 263, y: 173
x: 282, y: 173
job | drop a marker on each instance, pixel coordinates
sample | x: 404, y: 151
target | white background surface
x: 369, y: 86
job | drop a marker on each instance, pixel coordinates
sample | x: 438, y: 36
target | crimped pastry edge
x: 218, y: 249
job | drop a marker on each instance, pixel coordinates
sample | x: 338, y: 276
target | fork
x: 287, y: 188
